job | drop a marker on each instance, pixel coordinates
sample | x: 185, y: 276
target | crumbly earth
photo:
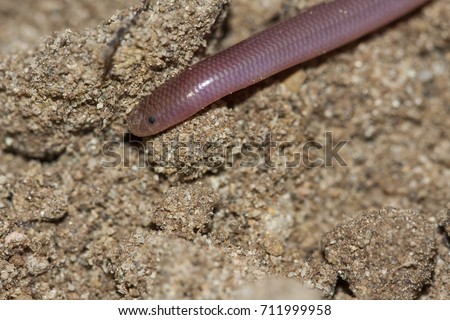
x: 383, y: 254
x: 218, y: 206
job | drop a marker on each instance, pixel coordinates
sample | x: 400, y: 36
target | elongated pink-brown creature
x: 311, y: 33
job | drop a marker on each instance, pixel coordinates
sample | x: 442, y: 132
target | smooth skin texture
x: 310, y: 34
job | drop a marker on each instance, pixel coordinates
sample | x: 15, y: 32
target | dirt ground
x: 88, y: 211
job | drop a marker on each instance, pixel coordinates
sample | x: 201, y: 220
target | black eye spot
x: 152, y: 120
